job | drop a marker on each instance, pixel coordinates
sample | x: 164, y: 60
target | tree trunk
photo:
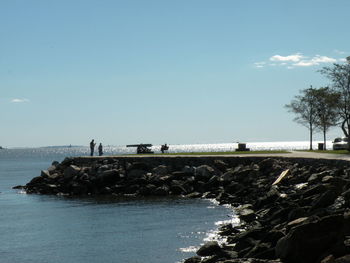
x: 324, y: 138
x: 348, y: 135
x: 310, y: 138
x: 345, y: 131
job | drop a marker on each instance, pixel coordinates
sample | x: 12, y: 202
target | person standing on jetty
x: 92, y: 147
x: 100, y: 150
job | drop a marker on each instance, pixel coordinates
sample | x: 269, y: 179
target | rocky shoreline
x: 303, y: 217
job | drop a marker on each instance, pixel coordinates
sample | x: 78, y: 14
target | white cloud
x: 316, y: 60
x: 294, y: 57
x: 298, y: 60
x: 19, y: 100
x: 259, y: 64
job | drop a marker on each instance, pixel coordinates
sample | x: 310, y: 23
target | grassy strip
x: 327, y: 151
x: 219, y: 153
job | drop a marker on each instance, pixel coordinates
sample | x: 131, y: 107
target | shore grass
x: 216, y: 153
x: 328, y: 151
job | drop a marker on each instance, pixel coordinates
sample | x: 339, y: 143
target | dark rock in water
x: 107, y: 177
x: 55, y: 163
x: 194, y: 259
x: 161, y: 191
x: 36, y: 180
x: 208, y: 249
x: 18, y: 187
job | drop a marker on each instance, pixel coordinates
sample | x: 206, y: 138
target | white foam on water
x: 189, y: 249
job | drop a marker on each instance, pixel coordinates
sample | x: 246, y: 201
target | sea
x: 54, y: 229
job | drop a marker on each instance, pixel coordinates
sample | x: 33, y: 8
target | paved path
x: 301, y: 154
x: 292, y: 154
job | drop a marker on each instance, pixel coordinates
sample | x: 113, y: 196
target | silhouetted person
x: 92, y: 147
x: 164, y: 148
x: 100, y: 150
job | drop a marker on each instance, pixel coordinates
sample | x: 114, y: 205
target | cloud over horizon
x: 17, y: 100
x: 297, y: 60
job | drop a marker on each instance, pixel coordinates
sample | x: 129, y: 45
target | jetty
x: 291, y: 209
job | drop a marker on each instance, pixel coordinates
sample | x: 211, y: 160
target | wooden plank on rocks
x: 282, y: 175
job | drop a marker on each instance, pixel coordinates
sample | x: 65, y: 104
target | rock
x: 194, y: 195
x: 261, y: 250
x: 344, y: 259
x: 204, y: 171
x: 304, y: 242
x: 71, y: 171
x: 188, y: 169
x: 194, y: 259
x: 324, y: 200
x: 328, y: 259
x: 139, y: 166
x: 36, y: 180
x: 228, y: 177
x: 208, y: 249
x: 266, y: 164
x: 45, y: 173
x: 161, y: 170
x: 54, y: 176
x: 162, y: 190
x: 247, y: 215
x: 55, y: 163
x: 220, y: 165
x: 177, y: 189
x: 134, y: 174
x: 107, y: 178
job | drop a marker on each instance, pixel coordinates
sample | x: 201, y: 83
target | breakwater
x: 302, y: 218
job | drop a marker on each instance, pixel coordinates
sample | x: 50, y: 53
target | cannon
x: 141, y: 148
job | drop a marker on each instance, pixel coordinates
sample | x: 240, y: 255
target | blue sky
x: 156, y: 71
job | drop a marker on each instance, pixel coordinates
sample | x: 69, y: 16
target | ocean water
x: 52, y: 229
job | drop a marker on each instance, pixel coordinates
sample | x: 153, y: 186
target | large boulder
x: 204, y: 171
x: 135, y: 174
x: 107, y: 178
x: 208, y: 249
x: 305, y: 243
x: 71, y: 171
x: 161, y: 170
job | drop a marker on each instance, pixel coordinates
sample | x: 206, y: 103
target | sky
x: 161, y: 71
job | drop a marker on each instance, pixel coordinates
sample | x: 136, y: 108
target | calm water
x: 38, y: 229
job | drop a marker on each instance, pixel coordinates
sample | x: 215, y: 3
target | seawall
x: 302, y: 218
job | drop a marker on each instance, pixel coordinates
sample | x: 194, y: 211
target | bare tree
x: 326, y: 107
x: 305, y: 108
x: 339, y: 74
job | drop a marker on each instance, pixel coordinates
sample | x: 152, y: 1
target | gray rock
x: 304, y: 242
x: 134, y: 174
x: 208, y: 249
x: 45, y: 173
x: 194, y: 259
x: 204, y: 171
x: 228, y: 176
x: 161, y: 191
x: 71, y: 171
x: 161, y: 170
